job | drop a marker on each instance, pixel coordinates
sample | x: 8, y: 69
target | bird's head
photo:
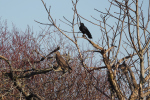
x: 81, y: 24
x: 57, y: 53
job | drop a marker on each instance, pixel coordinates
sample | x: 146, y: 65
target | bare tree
x: 121, y: 72
x: 29, y: 73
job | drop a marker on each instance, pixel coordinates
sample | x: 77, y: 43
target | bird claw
x: 83, y: 36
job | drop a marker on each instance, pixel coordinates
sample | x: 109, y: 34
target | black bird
x: 84, y: 30
x: 62, y: 63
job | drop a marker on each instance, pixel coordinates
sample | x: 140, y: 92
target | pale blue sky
x: 23, y: 12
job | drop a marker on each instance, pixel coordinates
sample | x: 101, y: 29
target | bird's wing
x: 87, y: 32
x: 61, y: 61
x: 80, y: 28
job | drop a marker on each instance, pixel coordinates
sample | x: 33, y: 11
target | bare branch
x: 43, y: 23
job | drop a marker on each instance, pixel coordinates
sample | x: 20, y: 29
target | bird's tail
x: 70, y: 68
x: 89, y: 35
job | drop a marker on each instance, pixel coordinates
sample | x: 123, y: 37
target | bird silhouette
x: 84, y: 30
x: 62, y: 63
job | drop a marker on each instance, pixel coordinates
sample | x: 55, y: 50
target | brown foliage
x: 31, y: 74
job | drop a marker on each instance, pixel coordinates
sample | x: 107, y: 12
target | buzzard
x: 62, y: 63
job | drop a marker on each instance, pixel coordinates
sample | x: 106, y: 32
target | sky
x: 22, y: 13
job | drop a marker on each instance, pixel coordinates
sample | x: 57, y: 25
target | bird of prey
x: 62, y: 63
x: 84, y: 30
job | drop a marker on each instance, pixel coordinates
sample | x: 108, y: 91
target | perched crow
x: 84, y: 30
x: 62, y: 63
